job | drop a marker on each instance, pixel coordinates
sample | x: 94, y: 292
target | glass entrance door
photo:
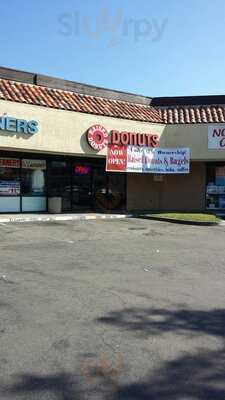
x: 59, y: 182
x: 109, y: 190
x: 117, y: 191
x: 100, y: 189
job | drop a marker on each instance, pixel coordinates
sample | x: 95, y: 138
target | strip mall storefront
x: 28, y: 181
x: 48, y: 152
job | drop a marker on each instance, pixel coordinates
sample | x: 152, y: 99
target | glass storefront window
x: 33, y: 185
x: 9, y: 177
x: 82, y: 183
x: 9, y: 185
x: 215, y: 189
x: 33, y: 177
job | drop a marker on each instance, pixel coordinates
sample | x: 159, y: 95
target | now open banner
x: 148, y: 160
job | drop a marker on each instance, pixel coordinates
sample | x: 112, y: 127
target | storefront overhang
x: 76, y: 127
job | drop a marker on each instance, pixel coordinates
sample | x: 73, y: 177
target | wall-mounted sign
x: 125, y: 138
x: 148, y: 160
x: 98, y: 138
x: 18, y: 125
x: 216, y: 137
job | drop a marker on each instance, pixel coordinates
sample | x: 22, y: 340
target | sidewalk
x: 5, y: 218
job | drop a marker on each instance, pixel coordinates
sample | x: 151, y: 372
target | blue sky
x: 155, y: 48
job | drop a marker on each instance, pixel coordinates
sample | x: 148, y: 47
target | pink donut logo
x: 97, y: 137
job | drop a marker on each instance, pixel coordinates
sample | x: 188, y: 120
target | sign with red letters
x: 116, y: 158
x: 97, y: 137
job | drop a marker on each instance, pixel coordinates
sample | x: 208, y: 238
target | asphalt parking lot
x: 122, y: 309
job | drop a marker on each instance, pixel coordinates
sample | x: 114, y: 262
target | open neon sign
x: 82, y: 169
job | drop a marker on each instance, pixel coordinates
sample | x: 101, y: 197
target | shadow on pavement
x: 158, y: 321
x: 199, y: 375
x: 189, y: 377
x: 196, y: 376
x: 60, y: 386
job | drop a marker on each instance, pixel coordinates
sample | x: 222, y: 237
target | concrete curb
x: 88, y: 217
x: 55, y: 218
x: 178, y: 221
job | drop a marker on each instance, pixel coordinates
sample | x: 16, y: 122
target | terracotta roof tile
x: 67, y: 100
x: 203, y: 114
x: 193, y: 114
x: 190, y: 115
x: 71, y: 101
x: 220, y: 113
x: 181, y: 114
x: 198, y: 115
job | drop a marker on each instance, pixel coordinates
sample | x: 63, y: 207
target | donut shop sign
x: 98, y: 138
x: 216, y: 137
